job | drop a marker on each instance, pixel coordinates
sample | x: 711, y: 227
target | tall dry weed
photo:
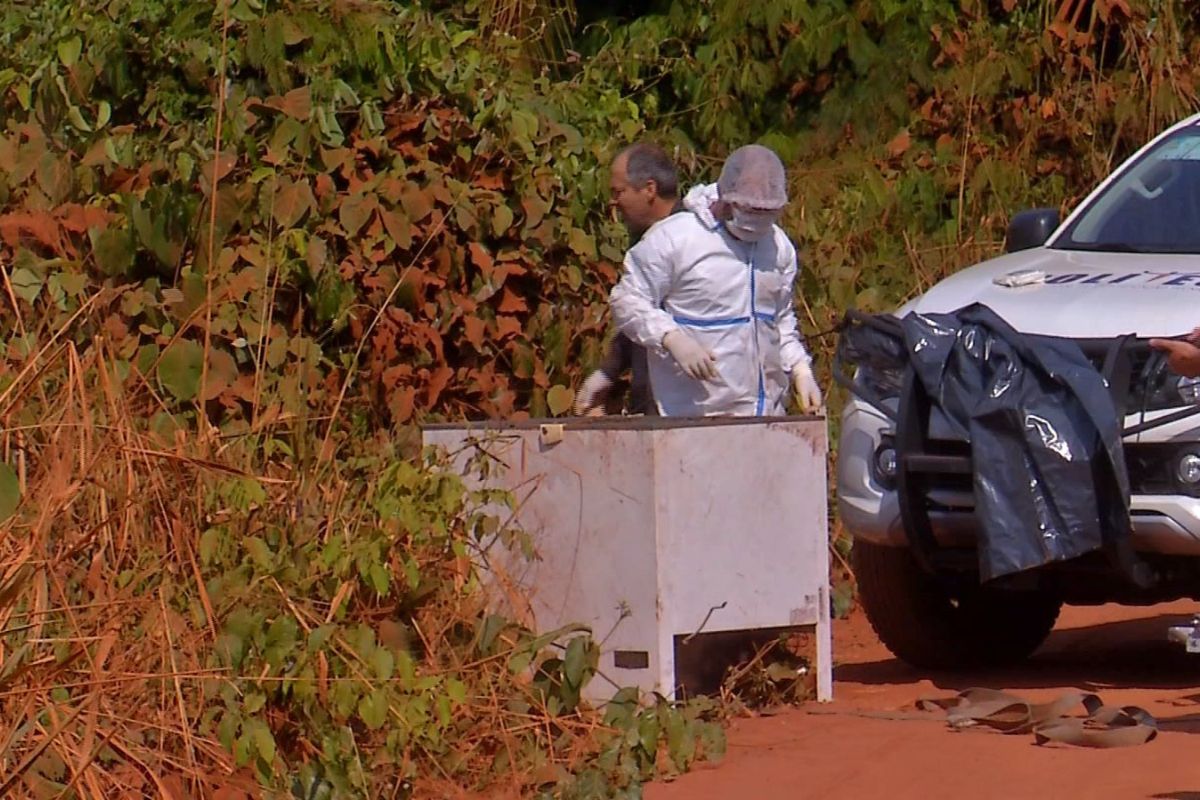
x: 192, y: 615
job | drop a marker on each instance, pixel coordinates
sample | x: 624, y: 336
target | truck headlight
x: 886, y: 463
x: 1187, y: 469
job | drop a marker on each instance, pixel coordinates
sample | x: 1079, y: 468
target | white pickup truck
x: 1122, y: 268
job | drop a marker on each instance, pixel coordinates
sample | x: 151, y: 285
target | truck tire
x: 921, y: 623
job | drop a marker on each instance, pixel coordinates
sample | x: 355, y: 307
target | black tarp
x: 1049, y: 473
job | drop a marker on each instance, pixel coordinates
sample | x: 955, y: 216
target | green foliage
x: 745, y: 73
x: 387, y: 214
x: 369, y: 652
x: 349, y: 685
x: 654, y: 739
x: 385, y: 202
x: 912, y: 130
x: 408, y: 205
x: 325, y: 626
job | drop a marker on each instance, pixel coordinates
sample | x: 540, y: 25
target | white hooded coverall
x: 733, y: 297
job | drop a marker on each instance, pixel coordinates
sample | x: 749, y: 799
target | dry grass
x: 102, y: 670
x: 111, y: 682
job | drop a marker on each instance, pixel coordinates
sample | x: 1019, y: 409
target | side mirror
x: 1030, y: 229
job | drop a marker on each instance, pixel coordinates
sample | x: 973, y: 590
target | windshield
x: 1153, y: 207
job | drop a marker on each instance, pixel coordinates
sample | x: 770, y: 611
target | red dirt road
x: 832, y: 751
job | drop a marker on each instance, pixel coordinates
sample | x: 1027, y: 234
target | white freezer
x: 682, y: 525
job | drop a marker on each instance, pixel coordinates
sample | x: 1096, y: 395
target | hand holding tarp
x: 1182, y: 357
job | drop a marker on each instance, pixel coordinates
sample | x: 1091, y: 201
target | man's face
x: 634, y: 204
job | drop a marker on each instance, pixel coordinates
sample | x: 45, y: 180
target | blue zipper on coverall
x: 756, y: 316
x: 762, y: 392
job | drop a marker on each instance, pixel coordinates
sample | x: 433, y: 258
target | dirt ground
x: 834, y: 750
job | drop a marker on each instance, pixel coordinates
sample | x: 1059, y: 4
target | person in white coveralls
x: 709, y: 295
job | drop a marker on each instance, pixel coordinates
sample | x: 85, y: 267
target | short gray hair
x: 648, y: 162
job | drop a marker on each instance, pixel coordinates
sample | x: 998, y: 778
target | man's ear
x: 652, y: 185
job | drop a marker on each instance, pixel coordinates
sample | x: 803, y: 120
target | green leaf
x: 320, y: 636
x: 519, y: 662
x: 574, y: 277
x: 103, y: 114
x: 502, y: 220
x: 245, y: 493
x: 383, y: 662
x: 575, y: 662
x: 242, y: 749
x: 373, y: 709
x: 69, y: 50
x: 73, y: 283
x: 10, y: 491
x: 559, y: 399
x: 444, y: 710
x: 379, y: 579
x: 712, y: 738
x: 147, y: 356
x: 281, y: 641
x: 406, y: 668
x: 681, y: 739
x: 333, y: 298
x: 26, y: 283
x: 260, y: 174
x: 648, y: 730
x: 76, y: 118
x: 277, y: 351
x: 412, y: 573
x: 344, y: 698
x: 621, y: 709
x: 292, y: 32
x: 210, y: 540
x: 254, y: 702
x: 372, y: 119
x: 260, y: 552
x: 179, y: 369
x: 582, y: 243
x: 264, y: 742
x: 536, y: 645
x: 55, y: 289
x: 524, y: 127
x: 490, y: 628
x: 227, y: 729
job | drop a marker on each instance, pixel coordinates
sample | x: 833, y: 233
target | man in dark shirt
x: 644, y: 190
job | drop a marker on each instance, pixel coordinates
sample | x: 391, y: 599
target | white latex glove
x: 808, y: 393
x: 592, y: 393
x: 691, y: 356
